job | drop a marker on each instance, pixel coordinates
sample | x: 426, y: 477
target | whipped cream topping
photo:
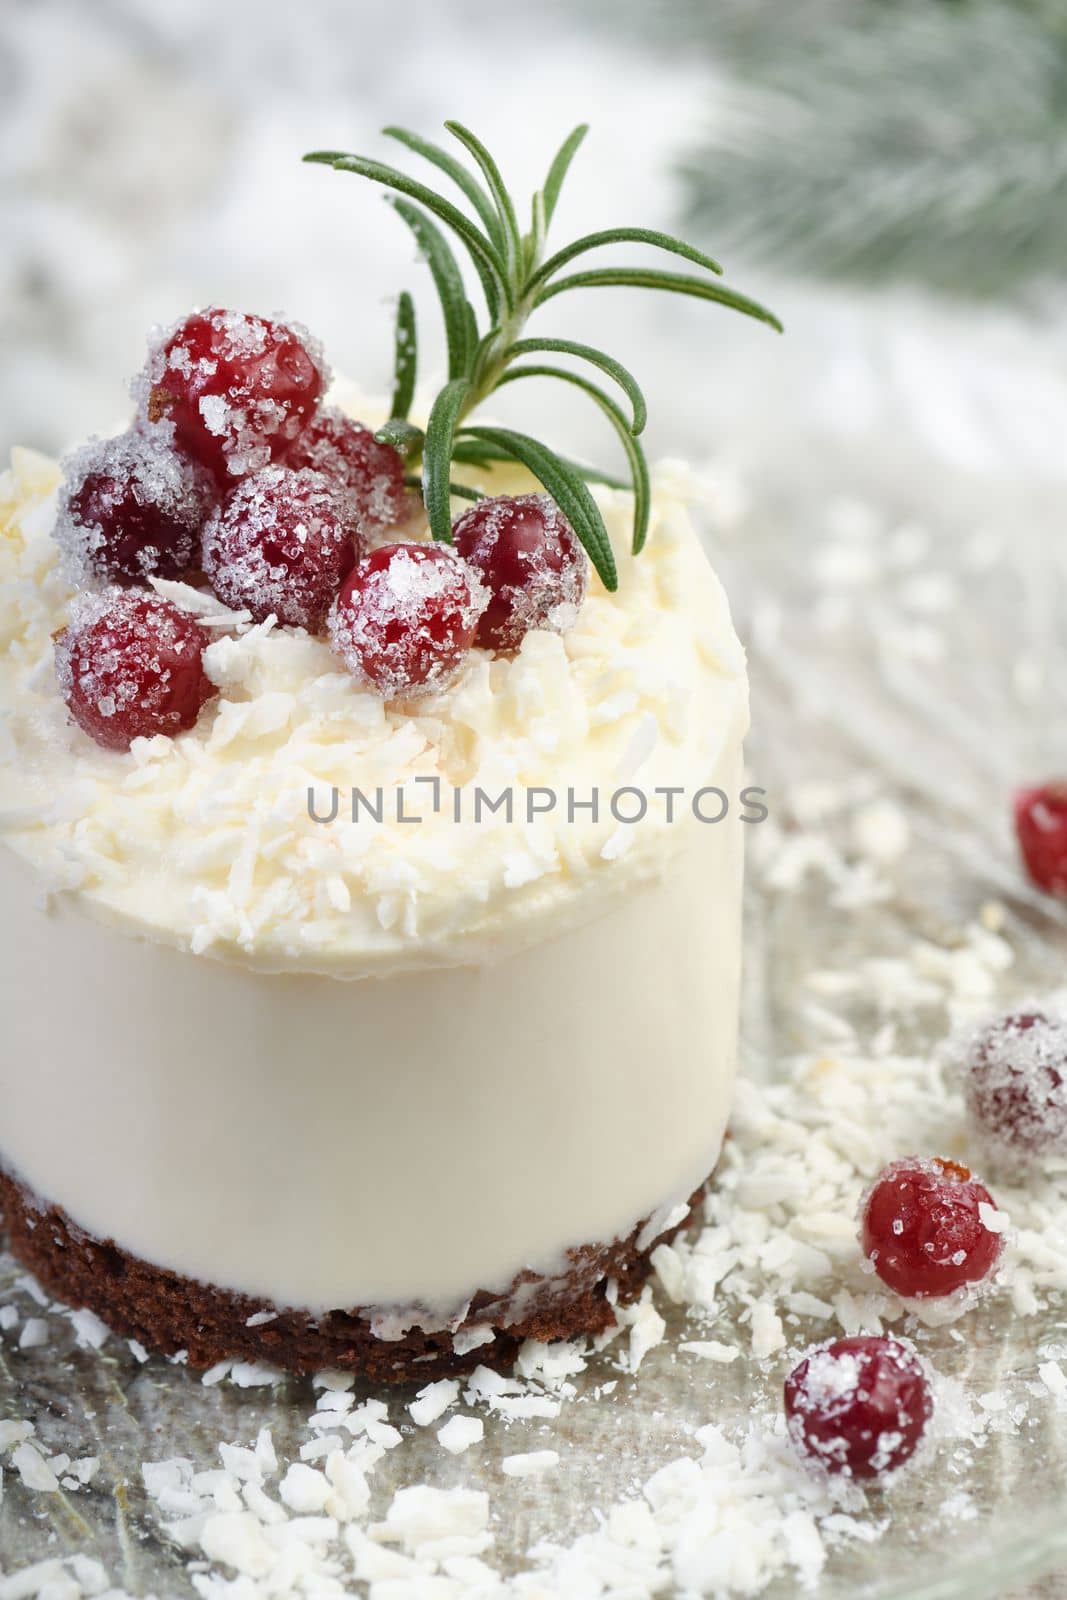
x: 207, y: 840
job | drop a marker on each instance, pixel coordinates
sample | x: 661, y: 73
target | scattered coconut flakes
x: 33, y: 1469
x: 1052, y: 1376
x: 459, y: 1433
x: 304, y: 1489
x: 711, y: 1350
x: 464, y: 1340
x: 253, y: 1374
x: 647, y: 1329
x: 35, y: 1332
x: 768, y: 1335
x: 90, y: 1331
x: 13, y: 1433
x: 433, y: 1401
x: 215, y: 1374
x: 531, y: 1464
x: 428, y: 1521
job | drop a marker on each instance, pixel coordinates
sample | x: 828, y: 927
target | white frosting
x: 545, y: 1057
x: 205, y: 841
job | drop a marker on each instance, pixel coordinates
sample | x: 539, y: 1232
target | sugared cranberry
x: 238, y: 389
x: 280, y: 544
x: 1015, y: 1085
x: 1041, y: 828
x: 923, y: 1230
x: 406, y: 616
x: 131, y: 665
x: 369, y: 476
x: 531, y: 562
x: 858, y: 1406
x: 131, y: 508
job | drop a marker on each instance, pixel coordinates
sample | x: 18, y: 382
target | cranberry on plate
x: 530, y: 560
x: 1014, y: 1074
x: 367, y: 475
x: 131, y: 508
x: 239, y: 389
x: 130, y: 665
x: 858, y: 1406
x: 406, y: 617
x: 280, y: 545
x: 1041, y: 829
x: 923, y: 1229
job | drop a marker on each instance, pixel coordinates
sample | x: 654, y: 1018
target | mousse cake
x: 370, y: 870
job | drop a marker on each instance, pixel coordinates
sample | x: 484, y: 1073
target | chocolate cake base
x: 169, y: 1313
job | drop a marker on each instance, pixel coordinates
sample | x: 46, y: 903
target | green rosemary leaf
x: 597, y: 358
x: 448, y: 281
x: 491, y: 266
x: 534, y: 242
x: 558, y: 170
x: 471, y: 322
x: 437, y: 456
x: 402, y: 435
x: 635, y: 455
x: 406, y: 359
x: 475, y: 452
x: 497, y: 188
x: 460, y: 177
x: 479, y: 454
x: 592, y: 241
x: 459, y: 491
x: 567, y: 490
x: 679, y: 283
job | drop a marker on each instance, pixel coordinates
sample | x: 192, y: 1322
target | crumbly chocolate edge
x: 168, y: 1313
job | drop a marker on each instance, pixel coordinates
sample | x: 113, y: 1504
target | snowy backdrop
x: 149, y: 160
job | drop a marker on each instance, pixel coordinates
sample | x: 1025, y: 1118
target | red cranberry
x: 238, y: 389
x: 131, y: 508
x: 131, y: 665
x: 369, y: 476
x: 922, y: 1228
x: 1041, y: 828
x: 279, y: 545
x: 1015, y: 1085
x: 532, y: 563
x: 858, y: 1406
x: 406, y: 616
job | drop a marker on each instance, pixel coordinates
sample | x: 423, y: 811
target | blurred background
x: 890, y: 175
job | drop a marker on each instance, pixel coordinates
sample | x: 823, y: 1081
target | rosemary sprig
x: 516, y: 279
